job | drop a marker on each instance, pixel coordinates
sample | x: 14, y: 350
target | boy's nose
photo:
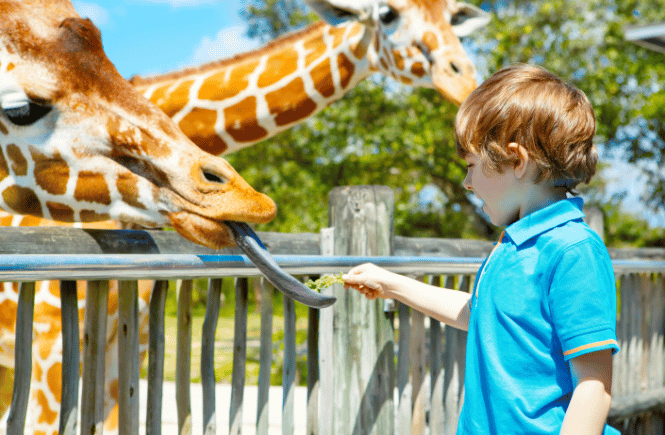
x: 467, y: 183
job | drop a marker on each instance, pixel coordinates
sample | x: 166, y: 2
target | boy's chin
x: 501, y: 220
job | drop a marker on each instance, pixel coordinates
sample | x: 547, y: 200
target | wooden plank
x: 362, y: 218
x: 454, y: 364
x: 239, y: 357
x: 289, y: 368
x: 69, y: 397
x: 657, y: 254
x: 326, y: 365
x: 326, y: 395
x: 208, y: 356
x: 22, y: 359
x: 620, y: 360
x: 265, y: 358
x: 644, y: 402
x: 156, y: 358
x: 62, y: 240
x: 424, y: 246
x: 128, y: 355
x: 436, y: 365
x: 183, y: 362
x: 419, y: 395
x: 404, y: 387
x: 658, y: 331
x: 636, y: 344
x: 312, y: 372
x: 94, y: 357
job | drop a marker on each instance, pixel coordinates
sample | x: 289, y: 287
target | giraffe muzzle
x: 249, y: 242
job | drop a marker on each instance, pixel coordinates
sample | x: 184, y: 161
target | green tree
x: 585, y: 43
x: 384, y: 133
x: 269, y: 19
x: 401, y: 139
x: 379, y: 133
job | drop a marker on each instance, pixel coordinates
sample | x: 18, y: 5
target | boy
x: 542, y: 314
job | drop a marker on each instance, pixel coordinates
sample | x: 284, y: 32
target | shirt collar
x: 545, y: 219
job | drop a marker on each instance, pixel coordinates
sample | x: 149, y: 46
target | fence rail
x: 421, y: 361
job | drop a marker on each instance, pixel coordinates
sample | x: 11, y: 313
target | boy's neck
x: 540, y: 196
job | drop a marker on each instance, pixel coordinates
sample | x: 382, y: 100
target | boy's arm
x: 448, y: 306
x: 590, y: 404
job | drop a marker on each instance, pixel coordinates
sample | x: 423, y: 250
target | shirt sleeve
x: 583, y: 301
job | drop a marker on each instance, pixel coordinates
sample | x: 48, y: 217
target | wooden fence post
x: 363, y: 344
x: 593, y: 216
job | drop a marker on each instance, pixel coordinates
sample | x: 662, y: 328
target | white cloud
x: 96, y: 13
x: 228, y: 42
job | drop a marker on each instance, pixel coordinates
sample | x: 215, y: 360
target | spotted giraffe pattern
x: 231, y: 104
x: 79, y: 143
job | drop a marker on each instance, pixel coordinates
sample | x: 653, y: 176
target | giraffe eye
x: 24, y: 112
x: 387, y: 14
x: 460, y: 17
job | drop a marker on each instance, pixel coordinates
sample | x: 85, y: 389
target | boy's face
x: 499, y: 191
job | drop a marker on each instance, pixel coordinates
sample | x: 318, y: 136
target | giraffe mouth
x: 247, y: 240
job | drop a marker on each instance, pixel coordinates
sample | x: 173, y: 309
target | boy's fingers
x: 359, y: 269
x: 359, y: 278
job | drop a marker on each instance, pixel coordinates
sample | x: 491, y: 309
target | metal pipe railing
x: 32, y: 267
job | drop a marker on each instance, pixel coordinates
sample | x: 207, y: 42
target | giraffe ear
x: 336, y: 12
x: 79, y: 34
x: 468, y: 19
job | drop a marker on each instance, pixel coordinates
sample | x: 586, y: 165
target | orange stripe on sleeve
x: 590, y: 345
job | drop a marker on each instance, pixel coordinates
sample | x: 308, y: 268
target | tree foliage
x: 403, y: 140
x: 585, y: 43
x: 385, y: 133
x: 269, y: 19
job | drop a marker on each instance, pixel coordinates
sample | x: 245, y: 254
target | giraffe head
x: 415, y: 41
x: 79, y: 143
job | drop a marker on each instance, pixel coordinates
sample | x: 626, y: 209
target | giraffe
x: 79, y: 143
x: 232, y: 104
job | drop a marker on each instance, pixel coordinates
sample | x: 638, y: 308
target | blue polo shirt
x: 545, y: 295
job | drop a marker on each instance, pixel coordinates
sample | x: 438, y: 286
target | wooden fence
x: 372, y: 367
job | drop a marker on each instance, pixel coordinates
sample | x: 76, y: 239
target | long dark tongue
x: 249, y: 242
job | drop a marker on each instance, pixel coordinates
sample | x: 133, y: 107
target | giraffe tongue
x: 249, y: 242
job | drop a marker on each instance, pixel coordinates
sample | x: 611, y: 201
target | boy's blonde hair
x: 532, y: 107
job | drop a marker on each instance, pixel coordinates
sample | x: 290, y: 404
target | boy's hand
x: 368, y: 279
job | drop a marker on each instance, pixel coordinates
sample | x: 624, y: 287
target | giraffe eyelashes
x: 213, y: 178
x: 468, y: 18
x: 21, y: 111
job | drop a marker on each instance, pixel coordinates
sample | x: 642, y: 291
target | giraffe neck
x: 235, y: 103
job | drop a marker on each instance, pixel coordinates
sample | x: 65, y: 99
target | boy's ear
x: 521, y: 155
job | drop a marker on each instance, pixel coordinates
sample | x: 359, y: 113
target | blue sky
x: 154, y: 36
